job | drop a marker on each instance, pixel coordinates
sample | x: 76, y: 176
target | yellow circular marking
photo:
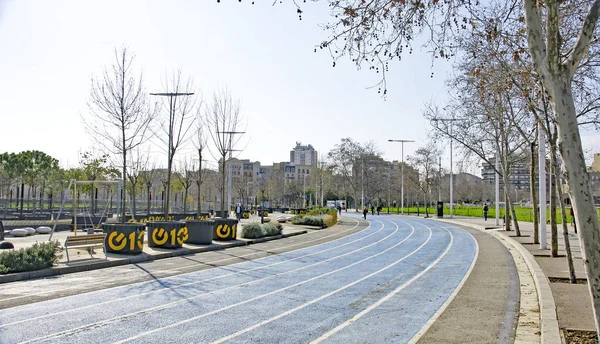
x: 160, y: 233
x: 182, y: 235
x: 120, y: 237
x: 140, y: 240
x: 223, y: 231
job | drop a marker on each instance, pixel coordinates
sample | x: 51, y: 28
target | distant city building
x: 303, y: 155
x: 518, y: 178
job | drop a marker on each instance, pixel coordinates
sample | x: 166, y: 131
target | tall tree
x: 176, y: 124
x: 119, y: 115
x: 223, y: 119
x: 200, y: 143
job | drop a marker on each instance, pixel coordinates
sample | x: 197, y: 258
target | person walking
x: 372, y: 210
x: 378, y: 209
x: 365, y: 212
x: 339, y: 208
x: 238, y: 211
x: 485, y: 211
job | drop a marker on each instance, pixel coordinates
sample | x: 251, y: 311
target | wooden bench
x: 85, y: 241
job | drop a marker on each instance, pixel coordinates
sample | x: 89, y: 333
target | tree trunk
x: 168, y: 189
x: 575, y: 171
x: 223, y: 187
x: 572, y: 277
x: 149, y: 199
x: 506, y: 210
x: 22, y: 199
x: 133, y: 194
x: 552, y: 176
x: 534, y: 201
x: 185, y: 196
x: 199, y: 206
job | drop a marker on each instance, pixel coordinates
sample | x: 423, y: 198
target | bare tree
x: 185, y: 178
x: 200, y: 143
x: 119, y: 112
x: 223, y: 119
x: 176, y: 124
x: 425, y: 160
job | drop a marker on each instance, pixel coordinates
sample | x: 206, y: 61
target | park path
x: 382, y: 284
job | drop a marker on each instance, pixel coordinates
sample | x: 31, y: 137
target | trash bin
x: 440, y: 209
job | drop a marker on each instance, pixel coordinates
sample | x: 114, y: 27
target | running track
x: 386, y: 283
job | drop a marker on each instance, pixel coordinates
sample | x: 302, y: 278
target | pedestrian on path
x: 372, y: 210
x: 238, y: 211
x: 365, y: 212
x: 485, y: 212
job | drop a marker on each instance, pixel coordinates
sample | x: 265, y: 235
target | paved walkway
x: 573, y: 304
x: 387, y: 283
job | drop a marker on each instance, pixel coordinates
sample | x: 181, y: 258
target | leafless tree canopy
x: 223, y: 120
x: 119, y: 111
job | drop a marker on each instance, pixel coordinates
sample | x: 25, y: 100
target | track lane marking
x: 451, y: 297
x: 356, y: 317
x: 143, y: 334
x: 164, y: 289
x: 206, y: 263
x: 174, y: 303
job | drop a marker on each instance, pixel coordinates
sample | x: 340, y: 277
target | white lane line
x: 185, y: 284
x: 29, y: 295
x: 179, y: 323
x: 320, y: 298
x: 186, y: 300
x: 385, y: 298
x: 441, y: 310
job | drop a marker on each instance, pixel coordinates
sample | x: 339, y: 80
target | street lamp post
x: 402, y: 172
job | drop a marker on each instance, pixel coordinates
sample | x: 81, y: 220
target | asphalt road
x: 386, y: 283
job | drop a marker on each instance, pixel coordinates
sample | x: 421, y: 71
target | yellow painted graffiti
x: 120, y: 239
x: 182, y: 235
x: 160, y: 237
x: 140, y: 240
x: 223, y: 231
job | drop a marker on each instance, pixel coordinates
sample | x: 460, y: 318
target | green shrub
x: 39, y: 256
x: 252, y: 230
x: 272, y: 228
x: 298, y: 220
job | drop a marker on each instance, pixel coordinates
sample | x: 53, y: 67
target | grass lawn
x: 523, y: 214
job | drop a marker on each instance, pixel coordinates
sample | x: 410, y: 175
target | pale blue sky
x: 49, y: 49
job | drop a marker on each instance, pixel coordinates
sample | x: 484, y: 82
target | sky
x: 51, y: 49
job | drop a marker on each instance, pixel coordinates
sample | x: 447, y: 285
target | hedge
x: 39, y: 256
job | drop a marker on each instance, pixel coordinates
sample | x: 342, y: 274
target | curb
x: 550, y: 333
x: 144, y: 257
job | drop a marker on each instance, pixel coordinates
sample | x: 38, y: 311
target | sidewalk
x: 572, y: 301
x: 81, y: 260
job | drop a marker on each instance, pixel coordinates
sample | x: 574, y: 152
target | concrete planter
x: 167, y: 234
x: 225, y: 229
x: 124, y: 238
x: 200, y: 232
